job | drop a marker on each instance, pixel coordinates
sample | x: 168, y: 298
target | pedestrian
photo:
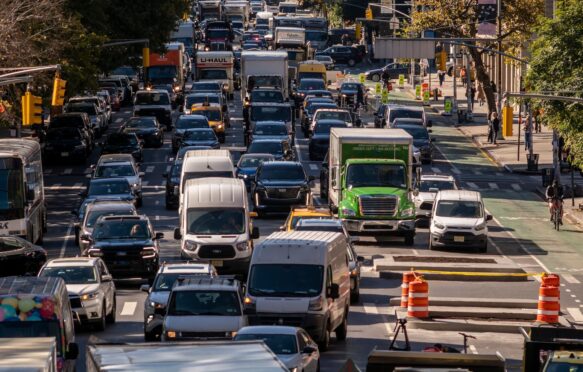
x: 537, y: 121
x: 481, y: 94
x: 473, y: 94
x: 441, y: 76
x: 527, y: 127
x: 463, y: 74
x: 493, y: 85
x: 495, y: 127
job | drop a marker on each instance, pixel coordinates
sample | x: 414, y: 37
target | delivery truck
x: 168, y: 68
x: 217, y: 66
x: 293, y: 41
x: 369, y: 181
x: 264, y: 69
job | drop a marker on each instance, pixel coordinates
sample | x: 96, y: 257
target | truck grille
x: 75, y: 302
x: 223, y: 335
x: 216, y: 251
x: 372, y: 205
x: 283, y: 192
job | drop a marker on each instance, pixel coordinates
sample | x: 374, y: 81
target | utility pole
x: 499, y: 83
x: 454, y: 108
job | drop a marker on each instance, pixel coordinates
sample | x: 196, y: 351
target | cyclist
x: 554, y: 195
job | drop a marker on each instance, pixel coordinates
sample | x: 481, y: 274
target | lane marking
x: 493, y: 185
x: 567, y: 290
x: 118, y: 120
x: 576, y: 314
x: 78, y: 184
x: 473, y: 349
x: 373, y: 309
x: 516, y: 187
x: 415, y: 252
x: 64, y: 245
x: 570, y: 279
x: 149, y: 169
x: 129, y: 308
x: 313, y: 166
x: 456, y: 171
x: 472, y: 185
x: 478, y: 173
x: 68, y: 171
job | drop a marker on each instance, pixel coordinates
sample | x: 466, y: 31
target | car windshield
x: 376, y: 175
x: 458, y: 209
x: 349, y: 86
x: 185, y: 123
x: 324, y: 128
x: 318, y: 105
x: 273, y: 280
x: 199, y: 135
x: 266, y: 96
x: 274, y: 148
x: 140, y: 123
x: 270, y: 130
x: 161, y: 74
x: 121, y: 229
x: 94, y: 215
x: 211, y: 115
x: 253, y: 161
x: 72, y: 275
x: 88, y: 109
x: 404, y: 113
x: 215, y: 221
x: 294, y: 221
x: 279, y: 344
x: 213, y: 74
x: 312, y: 85
x: 199, y: 99
x: 316, y: 35
x: 209, y: 87
x: 426, y: 185
x: 152, y: 99
x: 165, y: 282
x: 418, y: 133
x: 270, y: 113
x: 200, y: 303
x: 122, y: 139
x: 330, y: 228
x: 67, y: 134
x: 115, y: 170
x: 285, y: 173
x: 112, y: 187
x: 334, y: 115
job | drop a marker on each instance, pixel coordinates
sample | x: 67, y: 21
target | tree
x: 556, y: 67
x: 459, y: 19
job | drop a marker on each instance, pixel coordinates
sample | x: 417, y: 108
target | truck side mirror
x: 333, y: 291
x: 72, y: 351
x: 177, y: 234
x: 255, y: 233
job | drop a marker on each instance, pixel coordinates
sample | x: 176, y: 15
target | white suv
x: 428, y: 186
x: 458, y: 219
x: 90, y: 286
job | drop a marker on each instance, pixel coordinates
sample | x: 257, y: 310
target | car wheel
x: 409, y: 239
x: 351, y: 62
x: 484, y: 248
x: 111, y: 317
x: 324, y: 344
x: 139, y: 202
x: 342, y: 330
x: 355, y: 295
x: 100, y: 326
x: 375, y: 77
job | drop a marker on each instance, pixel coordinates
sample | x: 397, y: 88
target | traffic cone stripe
x: 548, y: 299
x: 408, y: 277
x: 418, y: 305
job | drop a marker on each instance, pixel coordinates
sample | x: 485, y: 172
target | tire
x: 139, y: 202
x: 222, y: 139
x: 111, y: 316
x: 409, y: 240
x: 355, y: 296
x: 324, y: 344
x: 342, y: 330
x: 100, y: 326
x: 375, y: 77
x: 351, y: 62
x: 484, y: 248
x: 150, y: 337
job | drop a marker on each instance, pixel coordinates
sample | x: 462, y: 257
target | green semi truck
x: 369, y: 180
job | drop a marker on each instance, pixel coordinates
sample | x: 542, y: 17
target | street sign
x: 385, y: 96
x: 361, y: 78
x: 401, y: 81
x: 447, y: 105
x: 417, y: 91
x: 396, y: 48
x: 426, y: 97
x: 377, y: 88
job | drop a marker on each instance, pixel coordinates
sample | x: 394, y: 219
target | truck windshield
x: 310, y: 75
x: 200, y: 303
x: 273, y: 280
x: 279, y: 344
x: 162, y: 73
x: 213, y: 74
x: 215, y: 221
x: 459, y: 209
x: 316, y: 35
x: 217, y: 34
x: 72, y: 275
x: 11, y: 192
x: 376, y: 175
x: 266, y: 96
x: 264, y: 81
x: 270, y: 113
x: 152, y: 99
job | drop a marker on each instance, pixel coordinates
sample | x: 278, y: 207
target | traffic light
x: 441, y: 60
x: 59, y: 86
x: 146, y: 57
x: 32, y: 109
x: 368, y: 13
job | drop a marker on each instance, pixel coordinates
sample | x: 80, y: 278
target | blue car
x: 248, y: 164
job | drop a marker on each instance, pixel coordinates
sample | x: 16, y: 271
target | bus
x: 22, y: 200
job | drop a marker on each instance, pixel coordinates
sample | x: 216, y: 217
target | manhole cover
x: 438, y: 259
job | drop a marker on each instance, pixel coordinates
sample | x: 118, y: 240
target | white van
x: 458, y: 219
x: 301, y: 279
x: 205, y: 166
x: 215, y: 224
x: 209, y: 152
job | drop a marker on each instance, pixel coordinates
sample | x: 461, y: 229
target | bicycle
x: 557, y: 212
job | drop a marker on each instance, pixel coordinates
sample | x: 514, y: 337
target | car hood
x: 290, y: 360
x: 125, y: 243
x: 450, y: 222
x: 204, y: 323
x: 159, y: 297
x: 81, y: 289
x: 282, y: 183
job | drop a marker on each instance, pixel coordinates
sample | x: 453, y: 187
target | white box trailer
x: 31, y: 354
x: 183, y: 357
x: 268, y: 66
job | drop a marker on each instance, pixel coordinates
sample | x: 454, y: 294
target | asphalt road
x: 520, y: 231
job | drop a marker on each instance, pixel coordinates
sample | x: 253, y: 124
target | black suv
x: 348, y: 93
x: 320, y: 139
x: 123, y: 143
x: 279, y: 185
x: 279, y: 148
x: 79, y: 120
x: 66, y: 143
x: 343, y: 54
x: 128, y: 245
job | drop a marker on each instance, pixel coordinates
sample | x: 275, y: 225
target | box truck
x: 264, y: 69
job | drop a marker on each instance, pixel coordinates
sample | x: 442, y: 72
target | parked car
x: 123, y: 143
x: 395, y: 69
x: 292, y: 345
x: 20, y: 257
x: 65, y: 144
x: 146, y: 128
x: 343, y: 54
x: 90, y: 287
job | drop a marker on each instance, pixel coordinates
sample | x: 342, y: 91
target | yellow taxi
x: 309, y: 212
x: 214, y: 114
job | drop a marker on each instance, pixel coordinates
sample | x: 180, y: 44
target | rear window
x: 152, y: 99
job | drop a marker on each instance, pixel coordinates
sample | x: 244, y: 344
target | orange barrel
x: 548, y: 304
x: 418, y: 299
x: 408, y: 277
x: 552, y: 280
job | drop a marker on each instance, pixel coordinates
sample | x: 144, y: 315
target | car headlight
x: 190, y: 245
x: 243, y: 176
x: 480, y: 226
x: 439, y: 225
x: 348, y: 212
x: 89, y: 296
x: 220, y: 126
x: 242, y: 246
x: 407, y: 212
x: 157, y: 305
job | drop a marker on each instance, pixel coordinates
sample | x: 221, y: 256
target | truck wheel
x: 342, y: 330
x: 376, y: 78
x: 409, y: 239
x: 325, y: 342
x: 111, y: 317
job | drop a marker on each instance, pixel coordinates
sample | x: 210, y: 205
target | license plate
x: 458, y: 239
x: 64, y: 154
x: 122, y: 253
x: 281, y: 190
x: 217, y: 263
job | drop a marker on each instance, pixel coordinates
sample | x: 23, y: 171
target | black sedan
x: 173, y: 185
x: 20, y: 257
x: 146, y: 128
x: 279, y: 148
x: 123, y: 143
x: 343, y: 54
x: 421, y: 140
x: 348, y: 93
x: 395, y: 69
x: 324, y: 172
x: 200, y: 137
x: 320, y: 139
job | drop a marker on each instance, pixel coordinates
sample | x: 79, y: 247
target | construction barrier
x: 418, y: 301
x: 408, y: 277
x: 551, y: 280
x: 548, y: 304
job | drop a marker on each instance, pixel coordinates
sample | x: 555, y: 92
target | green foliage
x: 335, y: 15
x: 557, y: 68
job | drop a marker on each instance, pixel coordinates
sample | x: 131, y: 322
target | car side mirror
x: 489, y: 217
x: 253, y: 214
x: 145, y: 288
x: 159, y: 235
x: 106, y: 278
x: 72, y: 351
x: 255, y: 233
x: 177, y: 234
x: 333, y: 291
x: 360, y: 259
x: 309, y: 350
x: 311, y: 178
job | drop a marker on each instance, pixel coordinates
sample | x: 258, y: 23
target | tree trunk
x: 484, y: 79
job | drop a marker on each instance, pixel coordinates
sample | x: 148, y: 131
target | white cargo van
x: 301, y: 278
x: 209, y: 152
x: 215, y: 224
x: 195, y: 167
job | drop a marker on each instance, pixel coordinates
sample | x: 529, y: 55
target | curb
x: 449, y: 277
x: 464, y: 326
x: 476, y: 302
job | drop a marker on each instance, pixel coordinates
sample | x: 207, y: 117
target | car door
x: 108, y: 287
x: 309, y: 361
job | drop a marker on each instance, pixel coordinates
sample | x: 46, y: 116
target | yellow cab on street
x: 309, y: 212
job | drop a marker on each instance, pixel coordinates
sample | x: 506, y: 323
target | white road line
x: 68, y: 171
x: 516, y: 187
x: 477, y: 172
x: 145, y: 183
x: 157, y: 218
x: 118, y: 120
x: 150, y: 169
x: 473, y: 349
x: 570, y: 279
x: 435, y: 170
x: 129, y: 308
x: 373, y: 309
x: 472, y: 185
x: 567, y: 290
x: 576, y: 314
x: 415, y: 252
x: 313, y: 166
x: 456, y: 171
x: 65, y: 241
x: 78, y: 184
x: 493, y: 185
